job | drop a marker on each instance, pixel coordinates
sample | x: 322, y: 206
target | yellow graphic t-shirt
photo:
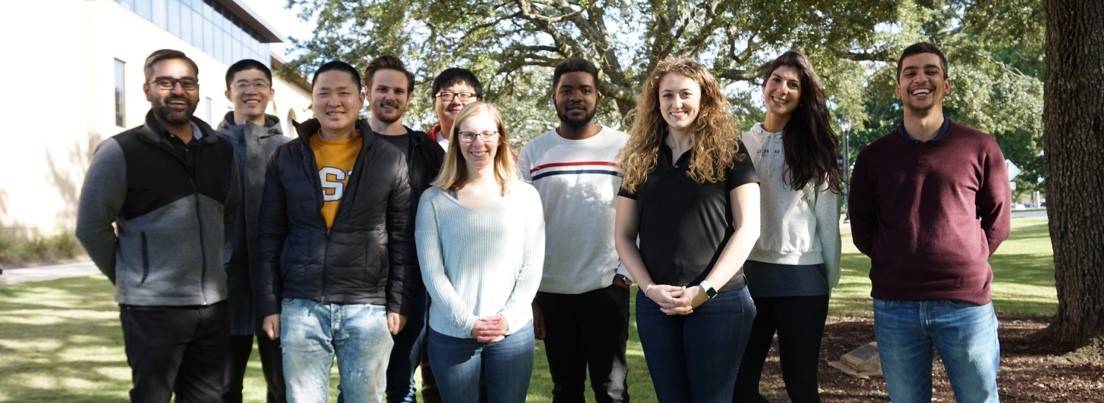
x: 335, y: 160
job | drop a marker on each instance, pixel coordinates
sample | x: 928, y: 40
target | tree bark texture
x: 1073, y: 141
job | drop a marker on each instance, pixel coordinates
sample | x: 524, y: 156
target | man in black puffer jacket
x: 335, y: 246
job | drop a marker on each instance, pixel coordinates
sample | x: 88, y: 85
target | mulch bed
x: 1031, y: 371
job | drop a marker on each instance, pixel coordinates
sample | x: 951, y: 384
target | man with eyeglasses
x: 452, y: 90
x: 169, y: 187
x: 255, y: 136
x: 389, y: 85
x: 582, y: 308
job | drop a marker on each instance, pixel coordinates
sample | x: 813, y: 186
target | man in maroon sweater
x: 929, y: 204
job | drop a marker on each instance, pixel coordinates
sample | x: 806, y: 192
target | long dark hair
x: 808, y: 141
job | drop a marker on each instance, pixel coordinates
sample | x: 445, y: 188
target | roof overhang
x: 249, y: 19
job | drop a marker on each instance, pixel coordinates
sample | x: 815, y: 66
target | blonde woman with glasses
x: 480, y: 237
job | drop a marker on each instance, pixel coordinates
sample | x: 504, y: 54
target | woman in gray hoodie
x: 795, y: 262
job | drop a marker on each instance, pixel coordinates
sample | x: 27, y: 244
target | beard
x: 389, y: 118
x: 168, y: 115
x: 576, y: 123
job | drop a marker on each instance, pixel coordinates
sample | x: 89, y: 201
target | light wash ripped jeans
x: 313, y: 333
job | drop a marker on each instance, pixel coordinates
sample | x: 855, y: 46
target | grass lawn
x: 60, y: 340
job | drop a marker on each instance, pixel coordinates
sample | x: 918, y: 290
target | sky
x: 284, y: 21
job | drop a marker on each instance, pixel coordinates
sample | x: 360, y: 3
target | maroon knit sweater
x: 930, y: 214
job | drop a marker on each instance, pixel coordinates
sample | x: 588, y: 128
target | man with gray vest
x: 169, y: 188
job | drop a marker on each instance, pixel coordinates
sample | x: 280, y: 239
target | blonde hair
x: 454, y: 171
x: 715, y: 141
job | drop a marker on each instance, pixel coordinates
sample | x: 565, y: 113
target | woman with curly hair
x: 690, y: 195
x: 796, y: 260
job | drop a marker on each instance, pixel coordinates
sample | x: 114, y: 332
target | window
x: 207, y: 109
x: 120, y: 93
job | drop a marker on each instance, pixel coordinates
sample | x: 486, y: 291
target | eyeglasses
x: 259, y: 85
x: 486, y: 136
x: 463, y: 96
x: 167, y: 83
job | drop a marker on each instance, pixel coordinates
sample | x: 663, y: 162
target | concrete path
x: 12, y: 276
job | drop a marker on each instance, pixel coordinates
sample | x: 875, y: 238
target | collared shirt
x: 943, y: 129
x: 182, y: 150
x: 684, y: 225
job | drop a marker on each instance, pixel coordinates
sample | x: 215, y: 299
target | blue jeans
x: 461, y: 365
x: 695, y: 358
x: 964, y: 334
x: 313, y: 333
x: 407, y: 353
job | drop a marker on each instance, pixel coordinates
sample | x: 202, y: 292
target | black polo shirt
x: 684, y: 225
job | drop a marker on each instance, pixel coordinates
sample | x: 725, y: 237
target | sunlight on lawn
x: 60, y: 340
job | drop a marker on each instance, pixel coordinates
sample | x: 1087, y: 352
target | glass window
x: 144, y: 8
x: 186, y: 24
x: 208, y: 36
x: 174, y: 18
x: 160, y: 17
x: 197, y: 29
x: 207, y: 109
x: 219, y: 41
x: 120, y: 93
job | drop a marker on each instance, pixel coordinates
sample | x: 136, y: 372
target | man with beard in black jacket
x: 389, y: 86
x: 335, y: 272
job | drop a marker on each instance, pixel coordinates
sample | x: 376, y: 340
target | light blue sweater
x: 480, y: 261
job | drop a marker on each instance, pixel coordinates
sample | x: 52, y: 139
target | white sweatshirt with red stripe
x: 578, y: 182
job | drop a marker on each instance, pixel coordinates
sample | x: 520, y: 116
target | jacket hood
x: 228, y: 121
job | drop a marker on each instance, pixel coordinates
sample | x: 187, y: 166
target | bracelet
x: 648, y: 288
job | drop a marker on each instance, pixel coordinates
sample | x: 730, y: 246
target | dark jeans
x: 694, y: 358
x: 271, y: 365
x: 466, y: 369
x: 407, y: 354
x: 176, y: 350
x: 584, y: 331
x: 800, y: 325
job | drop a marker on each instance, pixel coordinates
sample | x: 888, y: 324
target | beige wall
x: 61, y: 101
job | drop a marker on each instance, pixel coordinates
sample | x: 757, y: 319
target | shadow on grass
x: 61, y: 342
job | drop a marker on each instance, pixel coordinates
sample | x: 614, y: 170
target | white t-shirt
x: 578, y: 181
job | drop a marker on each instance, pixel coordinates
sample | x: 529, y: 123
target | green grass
x: 60, y: 340
x: 1023, y: 274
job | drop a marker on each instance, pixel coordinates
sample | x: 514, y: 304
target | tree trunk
x: 1073, y: 141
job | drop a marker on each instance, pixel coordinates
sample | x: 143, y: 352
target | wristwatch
x: 710, y: 291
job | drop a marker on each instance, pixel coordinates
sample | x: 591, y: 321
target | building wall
x: 64, y: 102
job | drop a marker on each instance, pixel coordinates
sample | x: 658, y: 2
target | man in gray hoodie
x: 168, y: 186
x: 255, y: 136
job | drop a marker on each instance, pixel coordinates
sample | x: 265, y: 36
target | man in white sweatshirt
x: 581, y: 310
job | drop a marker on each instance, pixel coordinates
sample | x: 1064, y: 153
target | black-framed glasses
x: 168, y: 83
x: 259, y: 85
x: 486, y: 136
x: 462, y: 96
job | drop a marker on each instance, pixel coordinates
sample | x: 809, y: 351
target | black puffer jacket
x: 364, y: 258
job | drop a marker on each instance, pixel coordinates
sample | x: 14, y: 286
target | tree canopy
x: 995, y: 49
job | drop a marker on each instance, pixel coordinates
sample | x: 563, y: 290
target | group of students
x: 388, y: 248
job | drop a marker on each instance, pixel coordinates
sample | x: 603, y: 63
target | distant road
x: 1029, y: 213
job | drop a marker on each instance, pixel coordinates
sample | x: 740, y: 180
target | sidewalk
x: 19, y: 275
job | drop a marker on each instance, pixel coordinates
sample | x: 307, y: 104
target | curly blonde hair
x: 715, y: 139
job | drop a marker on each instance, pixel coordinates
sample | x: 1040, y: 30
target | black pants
x: 587, y: 331
x: 271, y: 365
x: 800, y: 325
x: 179, y: 350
